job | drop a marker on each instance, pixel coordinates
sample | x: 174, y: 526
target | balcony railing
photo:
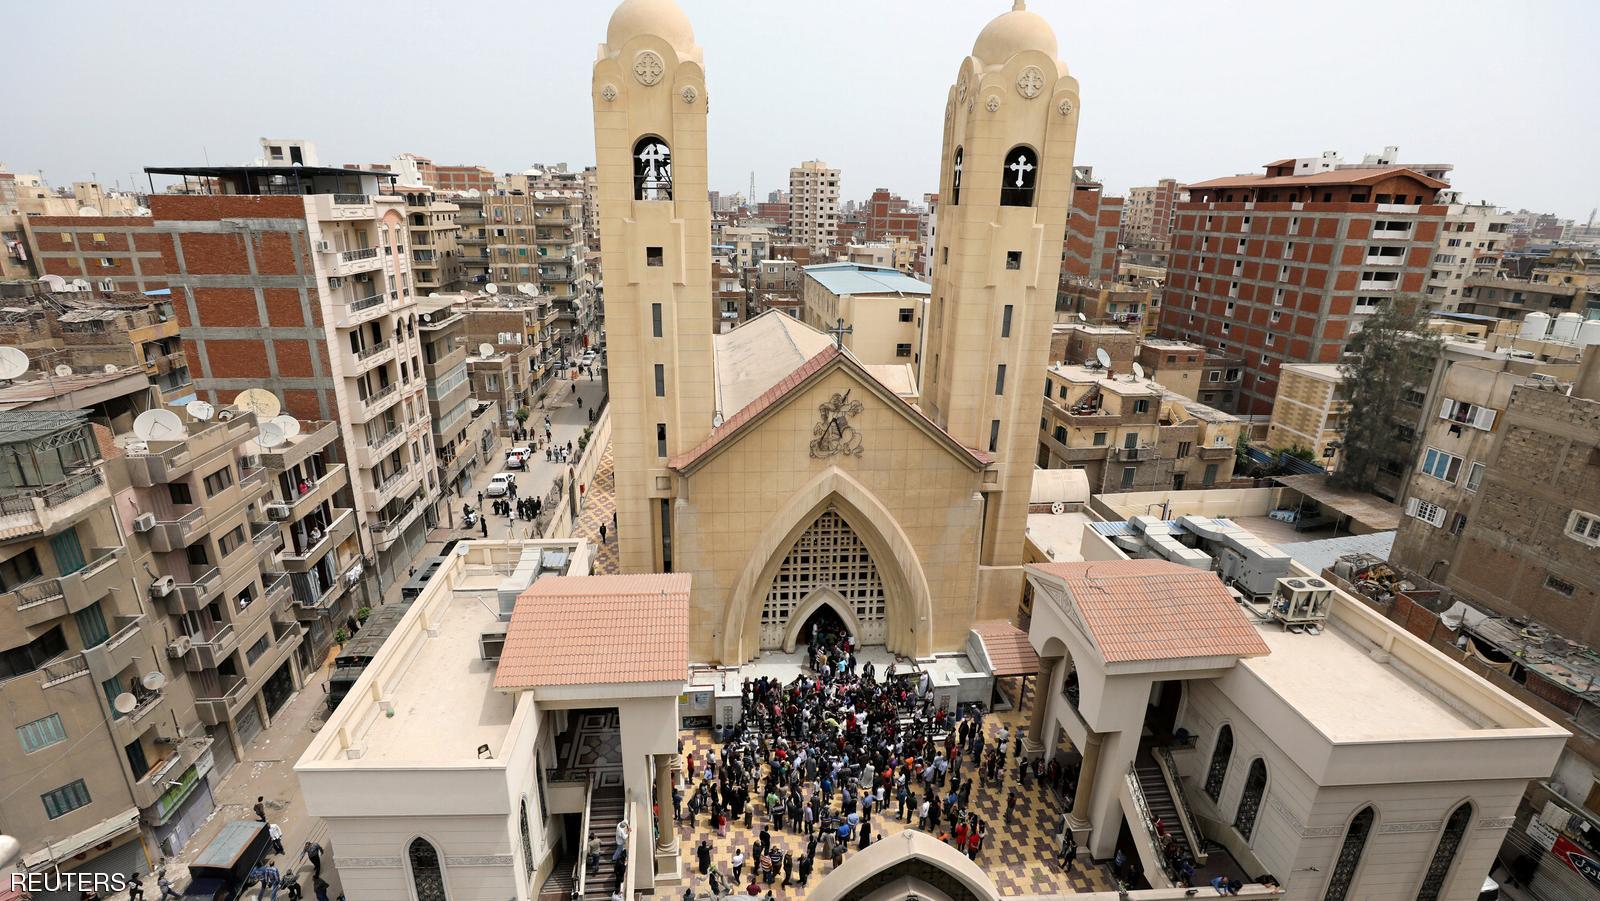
x: 367, y: 353
x: 376, y: 398
x: 352, y: 199
x: 20, y: 500
x: 366, y: 303
x: 360, y: 253
x: 59, y: 671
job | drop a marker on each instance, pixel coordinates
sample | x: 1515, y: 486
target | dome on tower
x: 661, y: 18
x: 1012, y: 33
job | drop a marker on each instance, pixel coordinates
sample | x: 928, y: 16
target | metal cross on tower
x: 1021, y: 166
x: 839, y: 331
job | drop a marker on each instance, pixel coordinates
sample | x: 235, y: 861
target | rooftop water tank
x: 1534, y: 325
x: 1589, y: 333
x: 1566, y: 327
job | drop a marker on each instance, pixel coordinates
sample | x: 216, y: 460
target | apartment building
x: 514, y: 237
x: 1472, y: 242
x: 1566, y: 280
x: 105, y: 254
x: 1281, y: 267
x: 902, y: 255
x: 814, y: 205
x: 26, y: 202
x: 1310, y: 411
x: 883, y: 307
x: 1132, y: 434
x: 297, y: 279
x: 1178, y: 365
x: 322, y: 553
x: 444, y: 179
x: 729, y: 306
x: 1121, y: 304
x: 891, y: 218
x: 435, y: 254
x: 745, y: 245
x: 527, y: 350
x: 1078, y: 342
x: 1151, y: 212
x: 444, y: 364
x: 1093, y: 225
x: 92, y: 331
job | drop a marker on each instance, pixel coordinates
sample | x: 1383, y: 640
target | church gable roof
x: 794, y: 383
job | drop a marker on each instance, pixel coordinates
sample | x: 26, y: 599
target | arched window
x: 1349, y: 859
x: 1019, y: 173
x: 955, y: 180
x: 527, y: 840
x: 652, y: 169
x: 1220, y: 754
x: 1255, y: 786
x: 427, y: 874
x: 1455, y: 829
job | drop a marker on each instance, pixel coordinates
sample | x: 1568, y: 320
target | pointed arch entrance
x: 823, y: 609
x: 828, y: 564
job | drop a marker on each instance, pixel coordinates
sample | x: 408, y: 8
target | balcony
x: 170, y: 780
x: 321, y: 605
x: 438, y: 322
x: 30, y: 512
x: 266, y: 536
x: 278, y: 589
x: 230, y: 695
x: 358, y: 362
x: 116, y: 653
x: 386, y: 490
x: 380, y: 400
x: 342, y: 527
x: 203, y: 590
x: 1140, y: 454
x: 321, y: 490
x: 352, y: 199
x: 43, y: 600
x: 368, y: 456
x: 351, y: 313
x: 149, y: 704
x: 167, y: 461
x: 346, y: 263
x: 317, y: 435
x: 1215, y: 452
x: 175, y: 535
x: 1370, y: 284
x: 1384, y: 260
x: 62, y: 671
x: 385, y: 531
x: 1392, y: 235
x: 214, y: 649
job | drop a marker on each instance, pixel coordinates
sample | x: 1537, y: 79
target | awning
x: 1007, y: 648
x: 1370, y: 510
x: 72, y: 845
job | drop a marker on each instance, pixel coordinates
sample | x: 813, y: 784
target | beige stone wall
x: 910, y: 498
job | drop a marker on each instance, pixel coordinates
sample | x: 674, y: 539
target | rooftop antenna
x: 200, y: 410
x: 1102, y: 357
x: 1083, y: 319
x: 158, y: 425
x: 271, y: 434
x: 1138, y: 372
x: 486, y: 349
x: 259, y: 401
x: 63, y: 370
x: 289, y: 425
x: 491, y: 288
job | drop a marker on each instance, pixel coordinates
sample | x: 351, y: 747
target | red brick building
x: 1093, y: 224
x: 1279, y: 268
x: 111, y: 253
x: 776, y: 213
x: 889, y: 217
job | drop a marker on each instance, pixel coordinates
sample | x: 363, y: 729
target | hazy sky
x: 1192, y: 89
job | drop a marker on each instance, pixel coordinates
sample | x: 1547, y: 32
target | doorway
x: 825, y: 624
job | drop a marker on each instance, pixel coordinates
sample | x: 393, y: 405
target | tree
x: 1394, y: 351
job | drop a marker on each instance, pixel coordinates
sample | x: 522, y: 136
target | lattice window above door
x: 828, y: 554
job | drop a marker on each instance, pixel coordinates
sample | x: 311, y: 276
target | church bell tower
x: 1010, y: 128
x: 649, y: 98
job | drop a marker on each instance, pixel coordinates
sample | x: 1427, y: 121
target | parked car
x: 517, y: 457
x: 500, y: 485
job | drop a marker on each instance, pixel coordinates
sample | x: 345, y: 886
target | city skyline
x: 1142, y: 121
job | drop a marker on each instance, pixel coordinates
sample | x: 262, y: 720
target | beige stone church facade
x: 782, y: 473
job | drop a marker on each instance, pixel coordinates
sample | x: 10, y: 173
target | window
x: 1559, y: 585
x: 427, y: 875
x: 527, y: 838
x: 1481, y: 418
x: 1432, y: 514
x: 661, y: 439
x: 1005, y: 321
x: 1458, y: 524
x: 1255, y: 788
x: 65, y: 799
x: 67, y: 551
x: 655, y: 320
x: 905, y: 314
x: 92, y: 629
x: 1100, y: 439
x: 902, y: 350
x: 955, y: 179
x: 254, y: 652
x: 652, y: 169
x: 138, y: 764
x: 41, y: 733
x: 196, y: 554
x: 1441, y: 465
x: 1584, y: 527
x: 1128, y: 472
x: 1349, y: 859
x: 1209, y: 479
x: 231, y: 541
x: 1184, y: 447
x: 661, y: 380
x: 1220, y: 753
x: 653, y: 257
x: 218, y: 481
x: 1444, y: 854
x: 179, y: 492
x: 994, y: 435
x: 1061, y: 434
x: 1021, y: 173
x: 19, y: 570
x: 1141, y: 405
x: 1013, y: 259
x: 1000, y: 379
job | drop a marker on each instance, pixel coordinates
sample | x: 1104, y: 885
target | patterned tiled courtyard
x: 1019, y: 856
x: 599, y: 508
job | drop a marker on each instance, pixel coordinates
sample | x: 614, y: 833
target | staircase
x: 558, y: 885
x: 605, y: 811
x: 1159, y: 799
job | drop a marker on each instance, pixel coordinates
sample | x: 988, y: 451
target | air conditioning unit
x: 324, y: 247
x: 364, y: 278
x: 1299, y: 602
x: 163, y: 586
x: 144, y: 522
x: 492, y: 641
x: 180, y: 647
x: 278, y: 512
x: 335, y: 282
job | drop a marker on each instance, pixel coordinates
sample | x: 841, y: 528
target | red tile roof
x: 1332, y: 177
x: 1008, y: 649
x: 591, y: 630
x: 1142, y: 610
x: 789, y: 383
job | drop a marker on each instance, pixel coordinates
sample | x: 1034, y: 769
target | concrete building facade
x: 883, y: 307
x: 814, y: 205
x: 1309, y: 411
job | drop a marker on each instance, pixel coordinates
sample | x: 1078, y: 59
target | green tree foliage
x: 1393, y: 351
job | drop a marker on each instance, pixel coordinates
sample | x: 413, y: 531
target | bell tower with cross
x: 1010, y: 129
x: 649, y: 96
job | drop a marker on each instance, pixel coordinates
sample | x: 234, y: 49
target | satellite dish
x: 1058, y: 508
x: 1104, y: 358
x: 716, y: 420
x: 200, y: 410
x: 109, y: 368
x: 125, y: 703
x: 88, y: 211
x: 158, y: 425
x: 427, y: 317
x: 1083, y: 318
x: 63, y: 370
x: 486, y: 350
x: 1138, y: 371
x: 56, y: 282
x: 13, y: 362
x: 290, y: 425
x: 527, y: 289
x: 259, y: 401
x: 491, y: 288
x: 271, y: 434
x: 155, y: 680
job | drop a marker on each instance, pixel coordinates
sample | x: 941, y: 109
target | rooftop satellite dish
x: 109, y: 368
x: 155, y: 680
x: 259, y: 401
x: 290, y: 425
x: 88, y: 211
x: 13, y: 362
x: 271, y: 434
x: 1058, y: 508
x: 200, y: 410
x: 474, y: 192
x: 527, y: 289
x: 485, y: 350
x: 63, y: 370
x: 1104, y: 358
x: 1082, y: 318
x: 158, y: 425
x: 1138, y: 371
x: 491, y: 288
x: 125, y: 703
x: 56, y: 282
x: 427, y: 317
x: 716, y: 420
